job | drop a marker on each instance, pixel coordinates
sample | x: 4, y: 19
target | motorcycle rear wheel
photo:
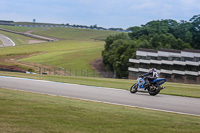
x: 133, y: 88
x: 154, y: 89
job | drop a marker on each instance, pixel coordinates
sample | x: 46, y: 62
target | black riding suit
x: 149, y: 76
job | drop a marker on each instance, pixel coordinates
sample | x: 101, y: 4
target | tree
x: 136, y: 32
x: 168, y: 41
x: 182, y: 31
x: 195, y: 29
x: 122, y: 51
x: 109, y: 40
x: 157, y: 27
x: 159, y: 34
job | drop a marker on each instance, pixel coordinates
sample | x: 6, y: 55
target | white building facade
x: 174, y: 65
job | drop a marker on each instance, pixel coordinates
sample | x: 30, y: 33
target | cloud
x: 110, y: 13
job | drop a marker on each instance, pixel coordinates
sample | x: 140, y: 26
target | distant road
x: 167, y: 103
x: 6, y: 41
x: 30, y: 35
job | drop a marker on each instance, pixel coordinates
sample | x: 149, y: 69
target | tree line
x: 159, y: 34
x: 94, y: 27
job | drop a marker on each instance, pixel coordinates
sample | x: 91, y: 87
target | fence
x: 74, y: 72
x: 65, y: 72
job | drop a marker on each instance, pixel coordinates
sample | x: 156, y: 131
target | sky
x: 104, y: 13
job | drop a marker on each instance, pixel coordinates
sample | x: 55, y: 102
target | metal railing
x: 74, y: 72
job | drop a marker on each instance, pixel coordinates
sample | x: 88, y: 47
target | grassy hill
x: 64, y: 54
x: 16, y: 28
x: 76, y: 49
x: 18, y: 39
x: 74, y: 33
x: 64, y: 32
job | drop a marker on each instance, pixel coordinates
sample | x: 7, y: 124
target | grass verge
x: 1, y: 42
x: 188, y: 90
x: 29, y: 112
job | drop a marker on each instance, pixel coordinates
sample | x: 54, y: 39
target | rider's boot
x: 146, y: 85
x: 162, y: 88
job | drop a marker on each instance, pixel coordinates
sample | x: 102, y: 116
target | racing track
x: 6, y: 41
x: 175, y: 104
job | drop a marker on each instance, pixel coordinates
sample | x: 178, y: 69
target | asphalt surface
x: 6, y: 41
x: 175, y: 104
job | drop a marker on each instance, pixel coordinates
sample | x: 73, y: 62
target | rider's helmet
x: 154, y: 71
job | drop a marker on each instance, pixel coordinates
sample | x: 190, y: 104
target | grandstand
x: 5, y: 22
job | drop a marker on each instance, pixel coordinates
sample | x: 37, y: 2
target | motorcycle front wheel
x: 133, y: 88
x: 154, y: 89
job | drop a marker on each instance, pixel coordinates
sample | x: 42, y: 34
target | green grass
x: 28, y: 112
x: 66, y: 54
x: 74, y: 33
x: 66, y: 45
x: 64, y: 32
x: 69, y: 59
x: 78, y: 49
x: 179, y: 89
x: 17, y: 28
x: 1, y: 42
x: 188, y: 90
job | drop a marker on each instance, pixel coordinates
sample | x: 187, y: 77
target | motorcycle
x: 153, y: 88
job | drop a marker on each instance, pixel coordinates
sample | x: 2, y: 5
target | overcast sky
x: 104, y: 13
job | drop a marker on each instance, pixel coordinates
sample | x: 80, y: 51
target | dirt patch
x: 29, y: 32
x: 35, y: 41
x: 13, y: 64
x: 98, y: 66
x: 10, y: 62
x: 38, y: 36
x: 12, y: 68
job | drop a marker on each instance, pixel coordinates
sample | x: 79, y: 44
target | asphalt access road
x: 176, y: 104
x: 6, y: 41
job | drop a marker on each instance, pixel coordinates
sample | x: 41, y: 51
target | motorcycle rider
x: 151, y: 75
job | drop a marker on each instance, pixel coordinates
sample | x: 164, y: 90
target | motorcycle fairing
x: 159, y: 81
x: 141, y: 83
